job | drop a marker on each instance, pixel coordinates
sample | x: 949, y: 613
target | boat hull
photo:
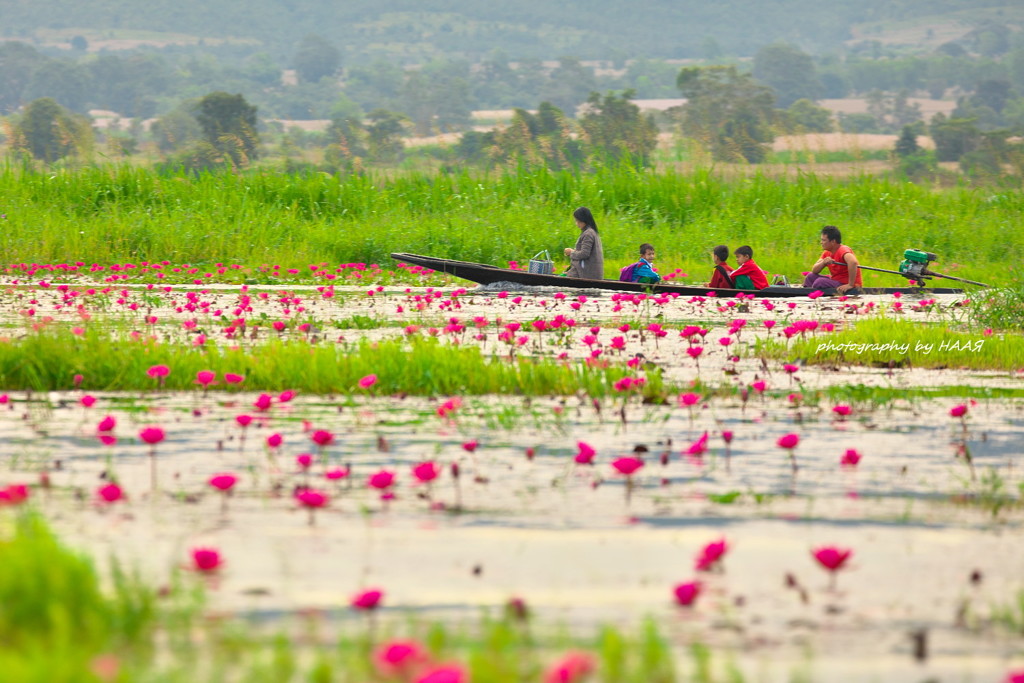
x: 486, y: 275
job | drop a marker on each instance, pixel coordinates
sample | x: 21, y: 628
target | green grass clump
x: 54, y: 617
x: 49, y: 360
x: 880, y: 341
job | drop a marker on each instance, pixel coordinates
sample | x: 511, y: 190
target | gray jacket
x: 587, y: 258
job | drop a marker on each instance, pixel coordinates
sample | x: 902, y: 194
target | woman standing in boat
x: 587, y: 258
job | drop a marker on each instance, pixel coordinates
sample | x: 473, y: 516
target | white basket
x: 543, y: 266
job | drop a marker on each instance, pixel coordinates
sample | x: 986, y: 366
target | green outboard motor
x: 915, y: 264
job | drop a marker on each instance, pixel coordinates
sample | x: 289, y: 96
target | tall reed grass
x: 49, y: 360
x: 122, y: 213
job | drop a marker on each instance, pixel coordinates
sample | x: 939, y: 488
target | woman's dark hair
x: 832, y: 233
x: 584, y: 216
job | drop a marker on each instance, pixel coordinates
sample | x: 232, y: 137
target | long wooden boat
x: 486, y: 275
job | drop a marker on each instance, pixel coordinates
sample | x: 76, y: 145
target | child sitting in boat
x: 720, y: 277
x: 643, y: 270
x: 748, y: 275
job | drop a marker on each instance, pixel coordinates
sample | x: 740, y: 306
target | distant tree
x: 907, y: 142
x: 727, y: 112
x: 315, y: 58
x: 346, y: 136
x: 384, y: 135
x: 858, y: 123
x: 128, y: 85
x: 377, y: 85
x: 50, y: 132
x: 65, y: 82
x: 710, y: 49
x: 17, y: 62
x: 568, y: 85
x: 176, y: 129
x: 951, y: 49
x: 261, y: 68
x: 475, y: 147
x: 1014, y: 115
x: 615, y: 129
x: 787, y: 71
x: 79, y: 43
x: 548, y: 139
x: 804, y: 116
x: 228, y: 123
x: 992, y: 93
x: 953, y: 137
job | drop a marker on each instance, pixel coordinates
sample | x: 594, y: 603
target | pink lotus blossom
x: 381, y: 480
x: 686, y: 593
x: 232, y: 378
x: 711, y: 555
x: 759, y: 386
x: 368, y: 381
x: 87, y: 401
x: 337, y: 473
x: 1014, y: 676
x: 842, y: 410
x: 311, y: 498
x: 426, y: 472
x: 698, y: 447
x: 850, y: 458
x: 224, y: 481
x: 815, y: 294
x: 206, y: 559
x: 832, y: 558
x: 727, y: 436
x: 367, y: 599
x: 694, y: 351
x: 788, y: 441
x: 14, y: 494
x: 158, y: 371
x: 689, y: 399
x: 585, y: 453
x: 285, y: 396
x: 322, y: 437
x: 152, y: 435
x: 399, y: 657
x: 206, y: 378
x: 263, y: 402
x: 628, y: 465
x: 958, y: 411
x: 110, y: 493
x: 573, y: 667
x: 470, y: 446
x: 275, y: 440
x: 243, y: 420
x: 790, y: 368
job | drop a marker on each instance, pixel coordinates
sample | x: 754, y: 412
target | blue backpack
x: 626, y: 274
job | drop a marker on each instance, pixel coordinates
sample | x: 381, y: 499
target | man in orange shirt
x: 843, y: 268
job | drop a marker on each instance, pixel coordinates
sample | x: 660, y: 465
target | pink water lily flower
x: 322, y: 437
x: 224, y: 481
x: 399, y: 657
x: 311, y: 498
x: 368, y: 381
x: 584, y: 454
x: 958, y: 411
x: 426, y: 472
x: 381, y: 480
x: 107, y: 424
x: 152, y: 435
x: 842, y: 410
x: 444, y: 673
x: 206, y: 378
x: 850, y: 458
x: 627, y: 465
x: 686, y: 593
x: 573, y: 667
x: 158, y: 371
x: 110, y: 493
x: 831, y: 557
x: 367, y: 599
x: 711, y: 555
x: 206, y: 559
x: 788, y: 441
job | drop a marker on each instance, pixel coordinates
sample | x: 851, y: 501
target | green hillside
x: 417, y: 31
